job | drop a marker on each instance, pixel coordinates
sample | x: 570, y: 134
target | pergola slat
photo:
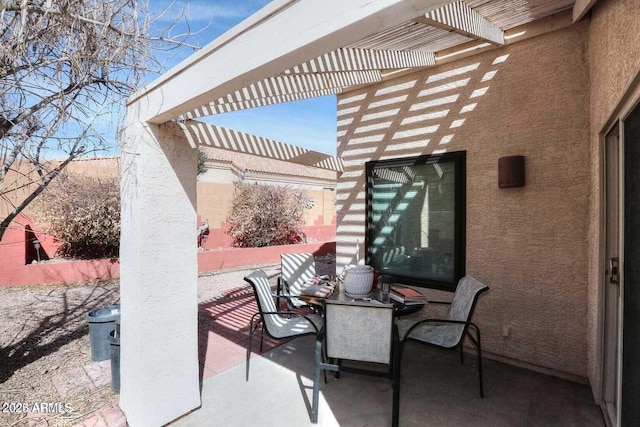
x: 344, y: 68
x: 293, y: 83
x: 199, y: 133
x: 462, y: 19
x: 348, y: 59
x: 215, y: 108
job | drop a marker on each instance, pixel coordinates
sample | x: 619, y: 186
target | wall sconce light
x: 511, y: 172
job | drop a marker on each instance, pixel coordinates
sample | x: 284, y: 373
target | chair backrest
x: 464, y: 300
x: 358, y: 331
x: 297, y: 269
x: 262, y: 289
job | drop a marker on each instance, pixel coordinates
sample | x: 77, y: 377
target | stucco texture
x: 528, y: 244
x: 158, y: 275
x: 614, y: 64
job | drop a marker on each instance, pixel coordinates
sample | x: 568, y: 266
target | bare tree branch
x: 66, y: 68
x: 35, y: 193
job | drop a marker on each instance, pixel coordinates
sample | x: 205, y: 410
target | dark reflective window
x: 416, y: 219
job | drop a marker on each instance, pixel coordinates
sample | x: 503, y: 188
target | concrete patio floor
x: 436, y: 390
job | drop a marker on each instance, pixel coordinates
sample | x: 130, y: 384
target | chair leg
x: 252, y: 328
x: 479, y: 347
x: 324, y: 359
x: 319, y: 358
x: 261, y: 337
x: 395, y: 415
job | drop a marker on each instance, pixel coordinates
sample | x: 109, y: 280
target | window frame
x: 459, y: 267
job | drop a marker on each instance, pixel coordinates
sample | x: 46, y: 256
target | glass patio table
x: 399, y: 309
x: 339, y: 296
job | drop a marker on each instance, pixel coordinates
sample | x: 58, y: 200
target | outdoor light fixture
x: 511, y: 172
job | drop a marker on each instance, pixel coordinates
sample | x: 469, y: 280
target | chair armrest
x: 291, y: 313
x: 431, y: 320
x: 440, y: 302
x: 435, y: 320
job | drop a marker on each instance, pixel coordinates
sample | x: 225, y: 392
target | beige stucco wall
x: 23, y: 177
x: 100, y: 167
x: 614, y: 63
x: 528, y: 244
x: 216, y: 209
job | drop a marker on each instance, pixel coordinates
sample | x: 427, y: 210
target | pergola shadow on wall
x: 367, y: 53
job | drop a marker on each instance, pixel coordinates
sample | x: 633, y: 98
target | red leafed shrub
x: 266, y: 215
x: 83, y: 212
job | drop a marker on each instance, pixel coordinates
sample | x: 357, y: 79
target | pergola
x: 289, y: 50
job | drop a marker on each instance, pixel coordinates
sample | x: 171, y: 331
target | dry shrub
x: 83, y: 212
x: 266, y: 215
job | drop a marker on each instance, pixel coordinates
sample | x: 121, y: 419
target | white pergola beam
x: 326, y: 75
x: 199, y: 133
x: 462, y: 19
x: 348, y: 59
x: 282, y: 35
x: 581, y: 8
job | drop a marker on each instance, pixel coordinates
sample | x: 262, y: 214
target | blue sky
x: 310, y: 123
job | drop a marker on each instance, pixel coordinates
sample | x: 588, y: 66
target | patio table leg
x: 395, y: 414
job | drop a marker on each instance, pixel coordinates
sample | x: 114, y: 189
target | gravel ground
x: 44, y: 333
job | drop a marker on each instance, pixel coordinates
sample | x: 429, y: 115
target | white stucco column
x: 158, y: 285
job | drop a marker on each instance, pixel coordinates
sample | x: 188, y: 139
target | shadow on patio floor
x: 223, y: 331
x: 435, y: 389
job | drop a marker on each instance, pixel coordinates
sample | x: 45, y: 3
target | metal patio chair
x: 278, y: 324
x: 448, y: 333
x: 296, y: 271
x: 355, y: 331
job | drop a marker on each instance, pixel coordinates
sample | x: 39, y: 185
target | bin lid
x: 104, y: 314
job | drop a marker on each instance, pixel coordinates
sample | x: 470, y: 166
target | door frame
x: 628, y: 103
x: 603, y: 274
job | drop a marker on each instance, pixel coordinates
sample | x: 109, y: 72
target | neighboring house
x: 224, y: 168
x: 215, y: 193
x: 557, y: 82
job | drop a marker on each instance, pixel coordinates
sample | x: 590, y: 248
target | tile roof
x: 252, y: 163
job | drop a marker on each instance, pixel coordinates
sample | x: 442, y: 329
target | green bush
x: 266, y: 215
x: 202, y: 162
x: 83, y: 213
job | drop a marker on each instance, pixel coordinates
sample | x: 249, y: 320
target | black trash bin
x: 101, y: 322
x: 114, y: 344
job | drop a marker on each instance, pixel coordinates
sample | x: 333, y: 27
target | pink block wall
x: 318, y: 232
x: 16, y: 273
x: 14, y: 247
x: 234, y: 258
x: 219, y: 255
x: 60, y: 272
